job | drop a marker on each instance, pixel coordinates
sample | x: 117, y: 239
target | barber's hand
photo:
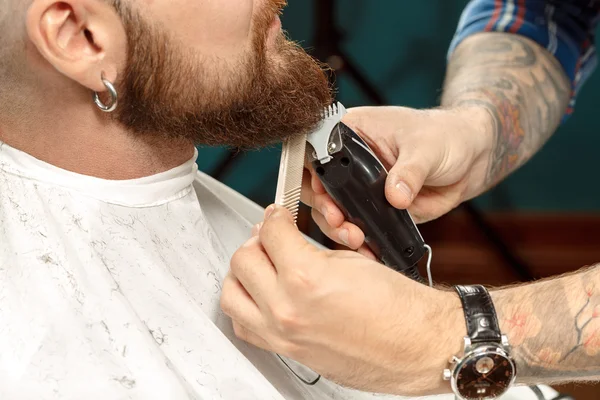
x: 436, y: 160
x: 346, y: 317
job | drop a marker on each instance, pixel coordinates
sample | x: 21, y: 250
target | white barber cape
x: 110, y: 290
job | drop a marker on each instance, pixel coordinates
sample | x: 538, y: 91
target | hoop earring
x: 114, y: 98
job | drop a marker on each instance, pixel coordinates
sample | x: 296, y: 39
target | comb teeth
x: 320, y: 137
x: 291, y: 167
x: 289, y: 182
x: 292, y: 201
x: 330, y: 111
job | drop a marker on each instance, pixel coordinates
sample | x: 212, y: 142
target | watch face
x: 484, y: 375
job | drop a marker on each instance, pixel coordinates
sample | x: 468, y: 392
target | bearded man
x: 113, y: 246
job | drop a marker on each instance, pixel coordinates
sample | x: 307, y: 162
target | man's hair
x: 12, y: 24
x: 12, y: 54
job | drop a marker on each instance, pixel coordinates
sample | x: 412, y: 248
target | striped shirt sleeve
x: 564, y: 27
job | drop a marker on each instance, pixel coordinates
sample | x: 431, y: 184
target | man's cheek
x: 214, y: 28
x: 230, y: 21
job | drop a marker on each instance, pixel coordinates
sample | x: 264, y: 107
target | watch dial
x: 484, y: 376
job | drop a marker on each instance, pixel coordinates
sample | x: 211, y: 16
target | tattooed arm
x: 520, y: 84
x: 554, y: 327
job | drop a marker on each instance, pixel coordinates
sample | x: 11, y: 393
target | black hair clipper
x: 355, y: 178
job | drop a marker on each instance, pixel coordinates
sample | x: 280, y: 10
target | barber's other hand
x: 436, y: 160
x: 344, y: 316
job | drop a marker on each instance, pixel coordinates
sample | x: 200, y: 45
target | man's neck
x: 84, y: 142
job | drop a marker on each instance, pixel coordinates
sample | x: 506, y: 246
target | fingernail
x: 256, y: 229
x: 325, y: 212
x: 403, y: 187
x: 345, y: 237
x: 269, y: 211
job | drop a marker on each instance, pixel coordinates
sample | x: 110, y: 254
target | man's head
x: 214, y: 71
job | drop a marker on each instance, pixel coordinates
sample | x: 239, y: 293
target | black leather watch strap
x: 480, y: 314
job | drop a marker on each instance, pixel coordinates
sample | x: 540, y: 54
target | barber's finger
x: 313, y: 180
x: 359, y: 118
x: 280, y: 237
x: 347, y: 234
x: 307, y: 194
x: 405, y: 180
x: 431, y: 200
x: 256, y: 229
x: 253, y: 268
x: 326, y: 207
x: 238, y: 305
x: 365, y: 251
x: 419, y: 213
x: 316, y: 183
x: 324, y: 204
x: 247, y: 335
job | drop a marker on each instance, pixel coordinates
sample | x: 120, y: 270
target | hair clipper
x: 355, y: 179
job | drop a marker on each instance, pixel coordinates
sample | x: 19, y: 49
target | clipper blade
x: 291, y: 168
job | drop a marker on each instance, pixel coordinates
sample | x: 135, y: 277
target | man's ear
x: 82, y: 39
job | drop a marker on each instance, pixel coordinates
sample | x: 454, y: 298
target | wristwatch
x: 485, y: 369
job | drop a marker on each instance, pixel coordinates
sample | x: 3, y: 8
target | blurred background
x: 538, y: 223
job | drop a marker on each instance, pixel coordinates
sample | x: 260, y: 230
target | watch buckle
x: 505, y: 342
x: 447, y: 374
x: 467, y: 344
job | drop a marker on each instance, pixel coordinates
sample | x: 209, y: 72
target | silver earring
x: 114, y: 98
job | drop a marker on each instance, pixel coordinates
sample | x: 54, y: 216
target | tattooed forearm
x: 521, y: 85
x: 554, y: 327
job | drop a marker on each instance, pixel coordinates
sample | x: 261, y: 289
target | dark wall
x: 401, y: 46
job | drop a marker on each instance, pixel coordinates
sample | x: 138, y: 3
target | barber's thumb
x: 403, y: 184
x: 280, y: 236
x: 280, y: 217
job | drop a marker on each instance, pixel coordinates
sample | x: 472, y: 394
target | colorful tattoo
x: 522, y: 87
x: 553, y: 326
x: 547, y: 347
